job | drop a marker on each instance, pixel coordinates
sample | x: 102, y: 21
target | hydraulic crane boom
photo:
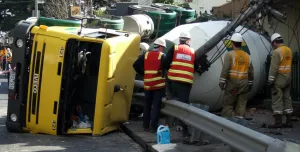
x: 256, y: 6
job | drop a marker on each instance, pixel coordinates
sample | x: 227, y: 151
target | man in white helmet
x: 143, y: 48
x: 149, y: 65
x: 181, y: 66
x: 236, y: 79
x: 280, y: 82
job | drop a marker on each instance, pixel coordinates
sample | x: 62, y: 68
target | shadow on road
x: 112, y: 142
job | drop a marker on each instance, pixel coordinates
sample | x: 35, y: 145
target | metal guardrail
x: 237, y: 136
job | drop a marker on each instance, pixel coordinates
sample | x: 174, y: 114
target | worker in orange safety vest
x: 236, y: 79
x: 181, y: 66
x: 279, y: 81
x: 2, y: 57
x: 149, y: 65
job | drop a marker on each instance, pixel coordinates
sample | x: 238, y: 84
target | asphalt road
x: 13, y: 142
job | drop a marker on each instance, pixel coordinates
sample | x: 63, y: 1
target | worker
x: 4, y: 59
x: 9, y: 58
x: 280, y: 82
x: 181, y: 66
x: 8, y: 63
x: 1, y: 57
x: 144, y: 47
x: 236, y: 79
x: 149, y: 65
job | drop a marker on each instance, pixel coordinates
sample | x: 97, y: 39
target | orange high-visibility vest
x: 4, y: 55
x: 152, y: 64
x: 1, y: 54
x: 240, y: 62
x: 286, y: 57
x: 182, y: 66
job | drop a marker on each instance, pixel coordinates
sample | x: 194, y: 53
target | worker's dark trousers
x: 168, y: 88
x: 4, y: 65
x: 152, y: 108
x: 181, y: 92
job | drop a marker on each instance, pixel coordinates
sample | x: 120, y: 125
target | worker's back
x: 240, y: 62
x: 283, y: 55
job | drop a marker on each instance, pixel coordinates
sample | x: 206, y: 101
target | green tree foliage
x: 12, y: 11
x: 57, y: 8
x: 98, y: 12
x: 164, y: 1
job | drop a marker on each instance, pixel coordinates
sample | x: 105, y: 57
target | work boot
x: 277, y: 124
x: 289, y: 121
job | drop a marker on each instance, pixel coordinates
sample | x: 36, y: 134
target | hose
x: 219, y: 53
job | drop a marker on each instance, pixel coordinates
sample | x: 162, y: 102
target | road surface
x: 13, y: 142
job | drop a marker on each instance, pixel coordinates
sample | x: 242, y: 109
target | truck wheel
x: 13, y: 128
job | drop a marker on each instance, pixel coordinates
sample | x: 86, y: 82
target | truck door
x: 44, y: 84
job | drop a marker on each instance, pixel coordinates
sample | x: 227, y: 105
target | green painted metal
x: 113, y: 22
x: 57, y: 22
x: 167, y: 21
x: 187, y: 14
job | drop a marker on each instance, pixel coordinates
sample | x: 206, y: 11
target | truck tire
x: 11, y: 127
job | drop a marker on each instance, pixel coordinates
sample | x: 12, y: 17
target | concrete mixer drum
x: 205, y: 88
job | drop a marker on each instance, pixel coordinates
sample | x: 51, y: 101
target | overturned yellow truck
x: 70, y: 80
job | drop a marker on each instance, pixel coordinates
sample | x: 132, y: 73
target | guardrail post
x: 195, y: 133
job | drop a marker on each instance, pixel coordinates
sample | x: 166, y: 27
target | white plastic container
x: 139, y: 23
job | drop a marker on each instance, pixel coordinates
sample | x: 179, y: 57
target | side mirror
x: 83, y: 22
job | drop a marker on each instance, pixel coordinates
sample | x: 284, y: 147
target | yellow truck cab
x: 70, y: 81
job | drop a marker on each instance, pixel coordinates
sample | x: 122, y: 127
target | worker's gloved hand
x: 222, y: 86
x: 249, y: 87
x: 270, y: 84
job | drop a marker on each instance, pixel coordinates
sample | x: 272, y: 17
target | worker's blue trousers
x: 152, y: 108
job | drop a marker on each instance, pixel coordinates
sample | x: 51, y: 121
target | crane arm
x: 256, y: 6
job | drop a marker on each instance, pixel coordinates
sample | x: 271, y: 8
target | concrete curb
x: 147, y: 147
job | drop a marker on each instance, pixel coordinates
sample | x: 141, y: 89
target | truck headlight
x: 19, y: 43
x: 13, y: 117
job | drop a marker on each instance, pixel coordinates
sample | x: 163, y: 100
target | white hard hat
x: 237, y: 37
x: 185, y: 35
x: 144, y: 46
x: 160, y: 42
x: 275, y: 36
